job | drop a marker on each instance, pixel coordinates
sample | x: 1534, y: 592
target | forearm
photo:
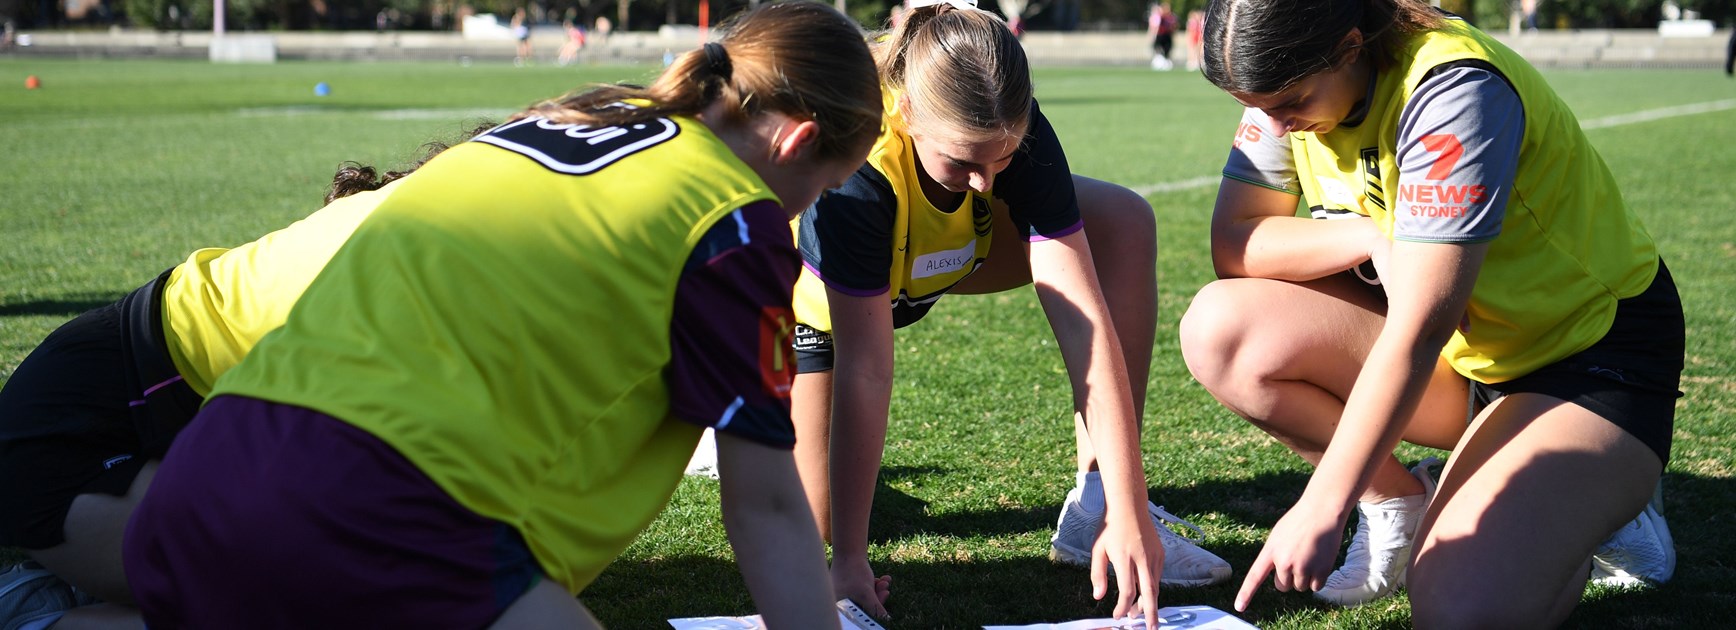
x: 861, y: 403
x: 1091, y: 350
x: 782, y: 558
x: 1385, y: 394
x: 1288, y: 247
x: 776, y: 544
x: 1427, y: 296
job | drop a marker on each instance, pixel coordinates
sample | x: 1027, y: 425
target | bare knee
x: 1212, y: 334
x: 90, y: 558
x: 1119, y: 220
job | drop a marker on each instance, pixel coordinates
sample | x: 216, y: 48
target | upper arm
x: 1260, y: 156
x: 1459, y: 142
x: 861, y: 333
x: 731, y: 363
x: 1428, y: 288
x: 1064, y: 266
x: 1038, y: 185
x: 1259, y: 181
x: 846, y: 237
x: 1238, y: 203
x: 746, y: 468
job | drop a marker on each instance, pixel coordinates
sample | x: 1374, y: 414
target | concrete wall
x: 1549, y: 49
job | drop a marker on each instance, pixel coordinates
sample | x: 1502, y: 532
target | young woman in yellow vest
x: 967, y: 191
x: 86, y: 415
x: 492, y: 387
x: 1516, y: 288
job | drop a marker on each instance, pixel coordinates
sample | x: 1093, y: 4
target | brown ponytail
x: 799, y: 58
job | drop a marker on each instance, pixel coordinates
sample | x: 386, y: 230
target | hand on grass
x: 1132, y: 549
x: 853, y: 579
x: 1298, y: 553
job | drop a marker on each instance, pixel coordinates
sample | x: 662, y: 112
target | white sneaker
x: 1641, y: 553
x: 1184, y: 562
x: 1374, y: 566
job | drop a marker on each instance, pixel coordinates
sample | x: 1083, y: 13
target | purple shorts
x: 273, y: 516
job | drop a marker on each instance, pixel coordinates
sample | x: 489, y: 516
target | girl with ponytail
x: 967, y: 190
x: 492, y: 387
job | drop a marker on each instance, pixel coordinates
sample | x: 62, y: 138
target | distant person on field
x: 1730, y: 54
x: 491, y: 389
x: 88, y: 414
x: 1196, y: 26
x: 575, y: 39
x: 521, y: 33
x: 1160, y: 27
x: 968, y: 191
x: 601, y: 29
x: 1517, y: 292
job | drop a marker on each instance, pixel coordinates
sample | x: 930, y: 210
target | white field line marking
x: 1658, y: 114
x: 1617, y: 120
x: 384, y: 114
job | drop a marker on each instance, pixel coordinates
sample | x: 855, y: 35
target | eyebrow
x: 1003, y: 158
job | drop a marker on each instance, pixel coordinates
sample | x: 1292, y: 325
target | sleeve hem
x: 1261, y: 184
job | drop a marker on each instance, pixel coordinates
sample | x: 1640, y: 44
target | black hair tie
x: 717, y: 60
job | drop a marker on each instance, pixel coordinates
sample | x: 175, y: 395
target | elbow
x: 774, y: 505
x: 1228, y: 263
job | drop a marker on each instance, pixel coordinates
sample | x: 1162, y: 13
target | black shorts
x: 813, y: 350
x: 1631, y: 377
x: 83, y: 413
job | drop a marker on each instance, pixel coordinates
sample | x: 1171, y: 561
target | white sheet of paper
x: 1170, y: 618
x: 849, y: 618
x: 704, y: 460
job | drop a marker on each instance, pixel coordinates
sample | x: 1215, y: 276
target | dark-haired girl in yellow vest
x: 1515, y: 288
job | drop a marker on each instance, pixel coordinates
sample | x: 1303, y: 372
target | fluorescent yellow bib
x: 932, y: 248
x: 1569, y: 246
x: 220, y: 302
x: 503, y: 322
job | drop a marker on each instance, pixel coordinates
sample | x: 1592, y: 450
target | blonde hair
x: 963, y: 70
x: 799, y: 58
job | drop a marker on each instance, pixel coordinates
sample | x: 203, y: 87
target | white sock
x: 1090, y: 486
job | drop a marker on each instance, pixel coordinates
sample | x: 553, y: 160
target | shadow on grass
x: 1697, y: 507
x: 949, y: 594
x: 67, y: 306
x: 1256, y: 502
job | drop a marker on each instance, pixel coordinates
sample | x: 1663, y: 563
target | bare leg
x: 1532, y: 489
x: 1123, y: 235
x: 1285, y: 355
x: 101, y: 617
x: 546, y: 605
x: 90, y: 559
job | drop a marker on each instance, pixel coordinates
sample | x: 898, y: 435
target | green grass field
x: 116, y: 170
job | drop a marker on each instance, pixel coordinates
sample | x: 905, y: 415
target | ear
x: 901, y: 109
x: 1351, y: 46
x: 797, y: 138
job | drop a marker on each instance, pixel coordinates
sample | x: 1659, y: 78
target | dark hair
x: 355, y: 177
x: 959, y: 68
x: 799, y: 58
x: 1265, y: 46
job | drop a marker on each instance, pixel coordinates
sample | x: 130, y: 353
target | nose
x: 981, y: 182
x: 1282, y: 126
